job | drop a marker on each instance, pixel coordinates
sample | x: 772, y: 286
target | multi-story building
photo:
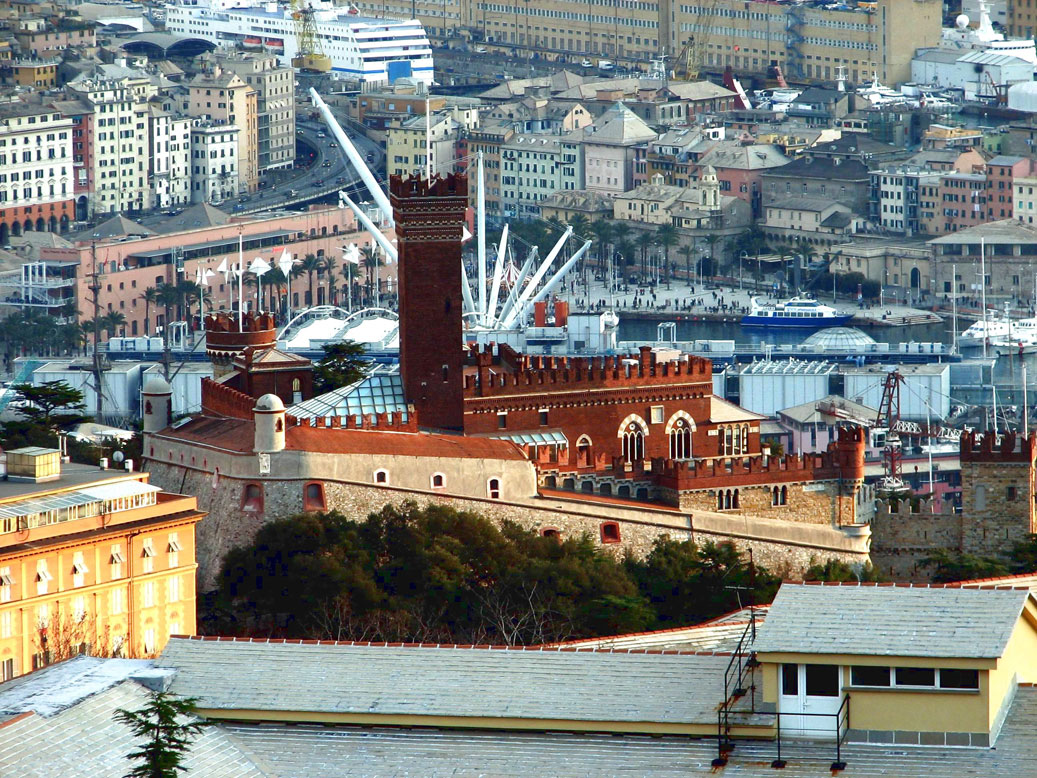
x: 1024, y: 199
x: 169, y: 168
x: 35, y: 73
x: 740, y: 167
x: 609, y: 149
x: 406, y: 150
x: 275, y: 103
x: 214, y: 161
x: 42, y: 39
x: 35, y: 170
x: 120, y: 146
x: 91, y: 561
x: 807, y: 41
x: 488, y: 139
x: 841, y: 181
x: 894, y: 198
x: 1000, y: 172
x: 81, y: 114
x: 534, y: 166
x: 223, y: 98
x: 956, y: 201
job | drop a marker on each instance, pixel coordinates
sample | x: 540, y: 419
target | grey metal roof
x: 891, y: 621
x: 378, y: 752
x: 230, y: 675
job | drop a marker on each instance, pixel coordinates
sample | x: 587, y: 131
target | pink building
x: 1002, y: 170
x: 739, y: 165
x: 127, y: 267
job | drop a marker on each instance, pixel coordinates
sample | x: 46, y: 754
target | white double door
x: 810, y: 689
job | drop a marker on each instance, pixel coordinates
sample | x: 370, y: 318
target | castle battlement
x: 990, y: 448
x: 605, y: 372
x: 221, y: 400
x: 382, y: 422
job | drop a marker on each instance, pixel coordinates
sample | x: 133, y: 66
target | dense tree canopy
x: 342, y: 364
x: 42, y: 411
x: 437, y: 574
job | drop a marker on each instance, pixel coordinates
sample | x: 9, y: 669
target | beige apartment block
x: 222, y: 97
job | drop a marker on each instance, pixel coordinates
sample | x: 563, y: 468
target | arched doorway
x: 81, y: 208
x: 27, y: 227
x: 5, y: 233
x: 41, y: 225
x: 64, y: 222
x: 52, y: 224
x: 916, y: 278
x: 16, y: 229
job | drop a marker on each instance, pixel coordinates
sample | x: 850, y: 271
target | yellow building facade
x: 93, y: 561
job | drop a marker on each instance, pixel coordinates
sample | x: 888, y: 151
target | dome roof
x: 837, y: 338
x: 269, y: 402
x: 156, y: 384
x: 1023, y: 96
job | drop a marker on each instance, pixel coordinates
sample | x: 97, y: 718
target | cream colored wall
x: 896, y: 709
x: 1018, y: 664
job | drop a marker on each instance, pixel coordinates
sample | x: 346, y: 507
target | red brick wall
x: 428, y: 228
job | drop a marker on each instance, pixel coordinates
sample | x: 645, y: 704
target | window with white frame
x: 43, y: 576
x: 116, y: 561
x: 149, y: 641
x: 381, y: 476
x: 148, y: 555
x: 118, y: 602
x: 174, y: 549
x: 79, y: 569
x: 438, y: 480
x: 147, y: 594
x: 173, y: 589
x: 5, y: 624
x: 174, y: 628
x: 78, y: 609
x: 6, y: 584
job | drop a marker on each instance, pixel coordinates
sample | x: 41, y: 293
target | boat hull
x: 795, y: 322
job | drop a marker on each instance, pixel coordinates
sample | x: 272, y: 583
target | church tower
x: 429, y: 217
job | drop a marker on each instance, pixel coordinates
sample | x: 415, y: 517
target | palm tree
x: 110, y: 322
x: 310, y: 265
x: 369, y: 256
x: 168, y: 298
x: 275, y: 281
x: 602, y: 231
x: 686, y: 251
x: 330, y: 266
x: 644, y: 240
x: 150, y: 297
x: 580, y: 225
x: 668, y: 237
x: 189, y: 292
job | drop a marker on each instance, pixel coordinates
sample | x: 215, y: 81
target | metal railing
x: 841, y: 725
x: 738, y: 671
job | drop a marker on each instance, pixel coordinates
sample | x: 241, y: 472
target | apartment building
x: 215, y: 169
x: 1000, y: 173
x: 170, y: 160
x: 610, y: 148
x: 406, y: 150
x: 91, y: 561
x: 275, y: 103
x: 956, y: 201
x: 1024, y: 198
x: 36, y: 172
x: 43, y: 39
x: 894, y: 200
x: 222, y: 97
x: 534, y: 166
x: 120, y: 147
x: 808, y: 41
x: 488, y: 139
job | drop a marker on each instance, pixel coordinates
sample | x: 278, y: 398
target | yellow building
x: 809, y: 42
x: 91, y: 561
x: 897, y: 664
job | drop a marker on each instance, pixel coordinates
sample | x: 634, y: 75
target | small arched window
x: 775, y: 496
x: 784, y: 495
x: 381, y: 476
x: 296, y: 390
x: 493, y: 488
x: 551, y: 532
x: 438, y: 480
x: 610, y: 532
x: 313, y: 497
x: 633, y: 443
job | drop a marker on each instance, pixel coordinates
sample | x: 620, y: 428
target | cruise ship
x: 365, y: 49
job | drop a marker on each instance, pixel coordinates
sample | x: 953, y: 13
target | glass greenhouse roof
x: 379, y: 392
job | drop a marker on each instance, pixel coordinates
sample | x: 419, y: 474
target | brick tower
x: 428, y: 217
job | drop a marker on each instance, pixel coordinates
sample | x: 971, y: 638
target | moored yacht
x: 796, y: 312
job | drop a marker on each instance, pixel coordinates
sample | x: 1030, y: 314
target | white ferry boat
x: 1005, y: 337
x: 796, y: 312
x: 363, y: 48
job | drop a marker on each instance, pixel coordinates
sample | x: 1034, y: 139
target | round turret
x: 156, y: 403
x: 269, y: 415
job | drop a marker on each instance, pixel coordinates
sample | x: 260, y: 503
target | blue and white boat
x: 797, y: 312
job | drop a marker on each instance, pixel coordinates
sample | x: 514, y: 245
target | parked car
x: 605, y: 64
x: 586, y: 64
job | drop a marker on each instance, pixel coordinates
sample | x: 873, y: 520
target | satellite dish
x: 118, y: 456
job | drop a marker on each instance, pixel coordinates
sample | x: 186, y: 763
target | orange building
x: 91, y: 561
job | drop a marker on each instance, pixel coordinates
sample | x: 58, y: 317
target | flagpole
x: 241, y: 278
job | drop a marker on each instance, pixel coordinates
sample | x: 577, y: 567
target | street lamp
x: 741, y: 258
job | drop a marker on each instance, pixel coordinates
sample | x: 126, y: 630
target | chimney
x: 540, y: 314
